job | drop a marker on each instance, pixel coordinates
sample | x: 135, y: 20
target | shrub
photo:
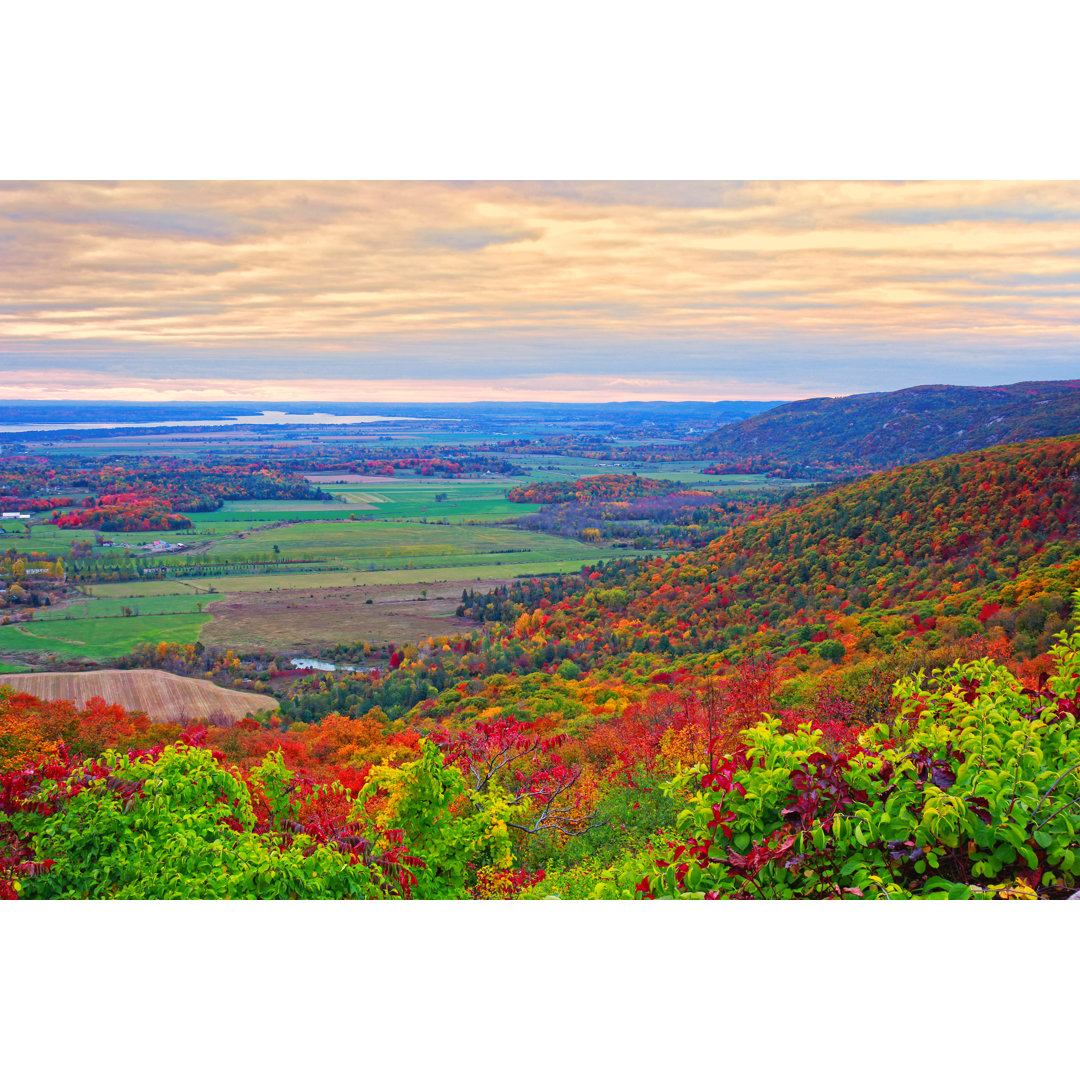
x: 972, y: 792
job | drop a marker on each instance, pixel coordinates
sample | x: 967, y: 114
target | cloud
x: 940, y: 215
x: 476, y: 239
x: 605, y: 279
x: 214, y: 228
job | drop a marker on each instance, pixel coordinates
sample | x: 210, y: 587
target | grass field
x: 237, y: 517
x: 159, y: 694
x: 391, y: 545
x: 466, y: 500
x: 107, y: 607
x: 239, y: 583
x: 147, y: 588
x: 50, y: 540
x: 563, y: 467
x: 98, y: 639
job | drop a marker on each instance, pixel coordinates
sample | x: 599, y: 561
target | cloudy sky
x: 593, y: 291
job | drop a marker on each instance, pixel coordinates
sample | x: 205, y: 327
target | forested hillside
x: 915, y: 424
x: 868, y: 693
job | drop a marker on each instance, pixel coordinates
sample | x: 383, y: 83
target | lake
x: 265, y: 418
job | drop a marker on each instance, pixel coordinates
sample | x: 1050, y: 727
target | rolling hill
x: 962, y: 550
x: 905, y: 426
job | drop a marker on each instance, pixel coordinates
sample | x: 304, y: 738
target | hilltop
x: 904, y: 426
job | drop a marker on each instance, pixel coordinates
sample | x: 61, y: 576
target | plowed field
x: 159, y: 694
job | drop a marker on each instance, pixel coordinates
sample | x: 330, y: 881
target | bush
x: 972, y: 792
x: 169, y: 824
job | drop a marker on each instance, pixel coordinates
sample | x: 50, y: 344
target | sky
x: 546, y: 291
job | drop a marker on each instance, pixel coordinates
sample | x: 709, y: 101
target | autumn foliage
x: 868, y: 692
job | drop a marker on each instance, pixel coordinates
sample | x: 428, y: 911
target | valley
x: 592, y: 646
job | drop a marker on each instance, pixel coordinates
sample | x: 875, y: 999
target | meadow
x: 544, y: 467
x: 465, y: 500
x: 404, y: 500
x: 329, y: 579
x: 307, y: 622
x: 117, y: 607
x: 373, y: 545
x: 97, y: 638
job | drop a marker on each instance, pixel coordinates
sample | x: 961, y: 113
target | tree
x: 514, y: 760
x: 831, y: 650
x: 446, y: 827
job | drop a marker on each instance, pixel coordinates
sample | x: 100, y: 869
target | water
x: 265, y: 418
x: 305, y: 664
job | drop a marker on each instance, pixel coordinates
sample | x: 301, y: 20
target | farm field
x: 149, y: 587
x: 564, y: 467
x: 49, y: 539
x: 357, y: 560
x: 376, y: 537
x: 299, y: 621
x: 466, y: 500
x: 96, y: 638
x: 110, y: 607
x: 325, y: 579
x: 393, y: 545
x: 159, y: 694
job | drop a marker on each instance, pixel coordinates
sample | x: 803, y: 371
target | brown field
x: 299, y: 620
x: 361, y: 478
x: 159, y: 694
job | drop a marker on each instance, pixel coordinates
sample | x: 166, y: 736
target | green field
x: 402, y: 552
x: 149, y: 588
x: 242, y: 583
x: 50, y: 540
x: 359, y: 546
x: 98, y: 638
x: 236, y: 517
x: 555, y: 467
x: 466, y: 500
x: 370, y: 534
x: 106, y: 607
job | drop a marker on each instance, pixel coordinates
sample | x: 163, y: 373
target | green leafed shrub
x: 175, y: 824
x: 973, y: 791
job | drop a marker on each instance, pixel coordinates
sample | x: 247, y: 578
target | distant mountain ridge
x: 904, y: 426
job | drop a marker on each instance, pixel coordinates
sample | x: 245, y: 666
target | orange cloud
x: 96, y: 386
x: 396, y: 270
